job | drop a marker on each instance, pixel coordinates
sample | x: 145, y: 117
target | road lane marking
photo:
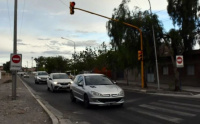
x: 167, y: 110
x: 176, y: 107
x: 157, y: 115
x: 134, y: 118
x: 184, y: 104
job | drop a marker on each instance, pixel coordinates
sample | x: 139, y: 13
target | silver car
x: 41, y: 76
x: 58, y: 81
x: 96, y: 89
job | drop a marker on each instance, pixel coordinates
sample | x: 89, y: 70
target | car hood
x: 62, y: 80
x: 105, y: 89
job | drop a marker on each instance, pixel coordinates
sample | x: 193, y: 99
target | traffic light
x: 140, y: 55
x: 72, y: 4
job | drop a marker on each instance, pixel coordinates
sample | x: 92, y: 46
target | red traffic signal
x: 72, y: 4
x: 140, y: 55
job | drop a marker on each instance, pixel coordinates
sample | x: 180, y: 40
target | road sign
x: 16, y: 58
x: 15, y: 62
x: 179, y: 61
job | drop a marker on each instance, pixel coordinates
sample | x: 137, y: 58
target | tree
x: 53, y: 64
x: 174, y: 44
x: 127, y: 39
x: 184, y: 14
x: 6, y: 66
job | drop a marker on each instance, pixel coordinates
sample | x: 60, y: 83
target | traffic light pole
x: 141, y: 41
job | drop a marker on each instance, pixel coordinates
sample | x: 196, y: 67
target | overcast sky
x: 42, y: 23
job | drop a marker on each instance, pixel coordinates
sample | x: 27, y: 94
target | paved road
x: 139, y: 108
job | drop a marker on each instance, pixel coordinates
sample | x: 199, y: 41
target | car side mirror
x: 114, y: 82
x: 50, y: 79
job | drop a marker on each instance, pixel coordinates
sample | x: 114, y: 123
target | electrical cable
x: 63, y: 2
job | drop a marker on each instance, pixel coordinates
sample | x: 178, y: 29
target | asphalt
x: 186, y: 91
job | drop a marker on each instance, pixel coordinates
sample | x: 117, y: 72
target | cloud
x: 43, y: 39
x: 60, y: 29
x: 22, y: 44
x: 84, y: 32
x: 53, y: 42
x: 19, y: 40
x: 57, y: 52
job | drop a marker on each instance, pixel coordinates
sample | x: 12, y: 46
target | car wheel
x: 52, y: 89
x: 73, y: 99
x: 121, y: 105
x: 36, y: 82
x: 48, y: 88
x: 86, y: 101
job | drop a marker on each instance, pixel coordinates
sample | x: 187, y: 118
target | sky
x: 42, y: 23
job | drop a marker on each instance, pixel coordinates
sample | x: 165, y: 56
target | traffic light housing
x: 72, y: 4
x: 140, y: 55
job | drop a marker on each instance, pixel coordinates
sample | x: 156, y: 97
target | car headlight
x: 96, y: 93
x: 38, y: 77
x: 121, y: 93
x: 55, y: 82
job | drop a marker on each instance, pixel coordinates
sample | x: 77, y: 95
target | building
x: 188, y: 75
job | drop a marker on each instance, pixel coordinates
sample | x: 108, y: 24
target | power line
x: 63, y: 2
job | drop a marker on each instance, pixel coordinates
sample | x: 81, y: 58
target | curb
x: 152, y: 91
x: 54, y: 119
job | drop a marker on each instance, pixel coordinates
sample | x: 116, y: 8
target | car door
x: 78, y: 88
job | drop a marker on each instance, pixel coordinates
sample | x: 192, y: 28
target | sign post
x: 179, y: 64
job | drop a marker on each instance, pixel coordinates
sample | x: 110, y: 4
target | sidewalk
x: 24, y: 110
x: 164, y: 88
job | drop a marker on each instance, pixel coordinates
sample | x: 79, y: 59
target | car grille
x: 63, y: 83
x: 43, y: 78
x: 110, y: 100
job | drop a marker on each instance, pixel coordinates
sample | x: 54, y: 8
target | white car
x: 41, y: 76
x: 96, y: 89
x: 58, y: 81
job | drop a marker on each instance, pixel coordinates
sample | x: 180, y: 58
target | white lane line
x: 176, y: 107
x: 184, y: 104
x: 157, y: 115
x: 167, y: 110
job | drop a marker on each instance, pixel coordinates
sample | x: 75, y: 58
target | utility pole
x: 155, y: 49
x: 14, y: 76
x: 31, y: 62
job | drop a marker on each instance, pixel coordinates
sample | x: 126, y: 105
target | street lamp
x: 74, y: 50
x: 155, y: 49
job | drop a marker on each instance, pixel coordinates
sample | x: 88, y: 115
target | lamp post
x: 74, y: 50
x: 155, y: 49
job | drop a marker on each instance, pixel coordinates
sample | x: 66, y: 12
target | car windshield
x: 60, y: 76
x: 42, y: 73
x: 97, y: 80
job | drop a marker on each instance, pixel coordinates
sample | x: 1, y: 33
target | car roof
x: 91, y: 74
x: 41, y: 71
x: 58, y: 73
